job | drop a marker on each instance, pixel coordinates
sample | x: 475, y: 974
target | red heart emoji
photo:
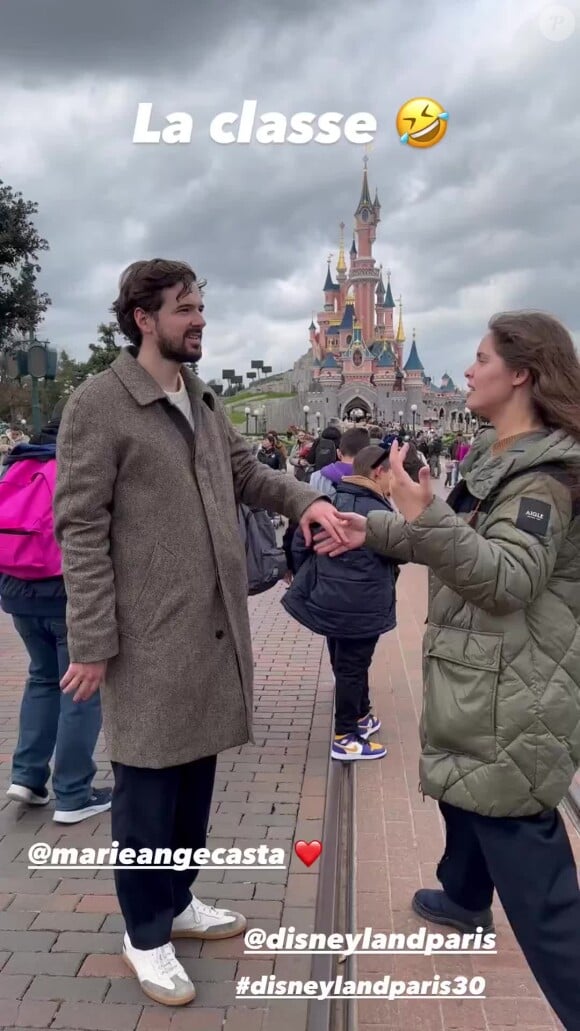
x: 308, y: 851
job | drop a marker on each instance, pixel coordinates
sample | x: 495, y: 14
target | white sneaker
x: 19, y: 793
x: 207, y: 922
x: 159, y: 973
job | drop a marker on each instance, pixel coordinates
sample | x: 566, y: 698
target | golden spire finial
x: 400, y: 331
x: 341, y: 263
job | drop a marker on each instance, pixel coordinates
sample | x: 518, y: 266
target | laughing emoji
x: 422, y: 122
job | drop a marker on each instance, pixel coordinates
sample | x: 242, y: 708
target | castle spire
x: 380, y: 286
x: 365, y: 197
x: 400, y: 338
x: 329, y: 285
x: 341, y: 263
x: 389, y: 302
x: 413, y: 363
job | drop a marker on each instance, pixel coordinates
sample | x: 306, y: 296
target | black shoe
x: 435, y: 905
x: 99, y: 802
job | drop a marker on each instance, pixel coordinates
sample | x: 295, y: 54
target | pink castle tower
x: 364, y: 275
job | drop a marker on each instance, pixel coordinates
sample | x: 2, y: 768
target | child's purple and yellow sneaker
x: 369, y: 725
x: 352, y: 746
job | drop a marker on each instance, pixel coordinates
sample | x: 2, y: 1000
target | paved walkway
x: 399, y: 842
x: 60, y: 933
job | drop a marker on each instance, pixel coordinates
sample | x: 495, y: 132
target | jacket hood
x: 483, y: 471
x: 361, y: 484
x: 40, y: 452
x: 336, y: 470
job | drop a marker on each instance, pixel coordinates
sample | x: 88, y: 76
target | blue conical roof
x: 389, y: 302
x: 329, y: 285
x: 348, y: 317
x: 330, y: 362
x: 413, y: 361
x: 386, y: 360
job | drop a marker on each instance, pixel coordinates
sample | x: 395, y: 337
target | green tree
x: 22, y: 306
x: 70, y: 373
x: 105, y: 351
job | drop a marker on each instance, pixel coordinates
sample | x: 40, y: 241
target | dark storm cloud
x: 62, y: 37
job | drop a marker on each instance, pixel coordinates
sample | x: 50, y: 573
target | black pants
x: 351, y: 660
x: 153, y: 809
x: 529, y: 861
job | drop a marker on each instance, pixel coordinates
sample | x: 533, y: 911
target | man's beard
x: 174, y: 351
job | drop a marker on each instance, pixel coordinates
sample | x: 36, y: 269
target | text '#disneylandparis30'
x: 245, y: 126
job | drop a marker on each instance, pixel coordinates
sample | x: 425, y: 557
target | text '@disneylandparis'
x: 272, y: 127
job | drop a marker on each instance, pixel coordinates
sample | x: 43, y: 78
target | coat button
x: 219, y: 634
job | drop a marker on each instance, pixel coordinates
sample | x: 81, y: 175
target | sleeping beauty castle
x: 359, y: 358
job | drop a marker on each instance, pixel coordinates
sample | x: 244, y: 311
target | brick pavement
x: 399, y: 842
x: 60, y: 933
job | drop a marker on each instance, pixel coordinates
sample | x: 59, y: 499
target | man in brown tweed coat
x: 150, y: 471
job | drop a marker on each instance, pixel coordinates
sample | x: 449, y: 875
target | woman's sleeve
x: 509, y: 567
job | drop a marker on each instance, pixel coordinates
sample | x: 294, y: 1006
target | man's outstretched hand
x: 354, y: 532
x: 321, y: 513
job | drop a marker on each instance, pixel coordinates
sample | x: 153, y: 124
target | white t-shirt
x: 181, y: 400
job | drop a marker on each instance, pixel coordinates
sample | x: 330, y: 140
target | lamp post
x: 40, y: 363
x: 263, y: 412
x: 306, y: 410
x: 256, y: 417
x: 248, y: 413
x: 414, y: 412
x: 318, y: 421
x: 401, y: 419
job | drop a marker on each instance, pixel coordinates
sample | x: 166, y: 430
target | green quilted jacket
x: 500, y: 726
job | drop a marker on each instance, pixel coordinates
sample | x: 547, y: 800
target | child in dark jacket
x: 351, y: 601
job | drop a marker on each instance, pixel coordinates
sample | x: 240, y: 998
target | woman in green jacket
x: 500, y: 726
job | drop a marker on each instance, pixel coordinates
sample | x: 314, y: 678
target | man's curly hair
x: 141, y: 285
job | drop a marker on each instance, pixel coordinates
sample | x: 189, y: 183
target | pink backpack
x: 28, y: 549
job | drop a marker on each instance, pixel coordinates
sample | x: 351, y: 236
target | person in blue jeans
x: 50, y: 722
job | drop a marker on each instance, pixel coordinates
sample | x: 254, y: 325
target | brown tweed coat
x: 145, y: 513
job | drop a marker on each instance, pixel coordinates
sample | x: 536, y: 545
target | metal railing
x: 336, y: 897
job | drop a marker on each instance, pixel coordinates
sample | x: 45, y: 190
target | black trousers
x: 152, y: 809
x: 530, y: 863
x: 351, y: 660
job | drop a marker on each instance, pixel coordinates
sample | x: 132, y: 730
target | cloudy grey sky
x: 486, y: 220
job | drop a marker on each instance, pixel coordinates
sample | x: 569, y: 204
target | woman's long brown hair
x: 536, y: 341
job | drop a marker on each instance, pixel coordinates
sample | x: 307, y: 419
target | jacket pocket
x: 461, y: 677
x: 153, y: 593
